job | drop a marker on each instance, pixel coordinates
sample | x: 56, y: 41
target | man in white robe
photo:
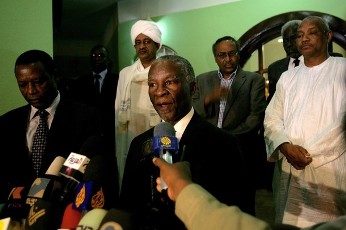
x: 304, y: 133
x: 134, y: 113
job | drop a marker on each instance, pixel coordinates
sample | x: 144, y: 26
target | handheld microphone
x: 75, y: 165
x: 92, y: 219
x: 165, y: 144
x: 117, y: 219
x: 49, y: 186
x: 90, y: 193
x: 71, y: 218
x: 15, y: 206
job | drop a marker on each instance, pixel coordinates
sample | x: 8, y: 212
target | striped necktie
x: 39, y: 142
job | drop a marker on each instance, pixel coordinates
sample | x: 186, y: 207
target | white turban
x: 148, y: 28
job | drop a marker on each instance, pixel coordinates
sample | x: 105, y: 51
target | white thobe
x: 134, y: 112
x: 307, y: 110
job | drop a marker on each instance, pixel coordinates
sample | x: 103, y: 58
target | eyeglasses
x: 223, y: 55
x: 145, y: 42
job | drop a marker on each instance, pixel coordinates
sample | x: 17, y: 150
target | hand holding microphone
x: 177, y: 176
x: 165, y: 144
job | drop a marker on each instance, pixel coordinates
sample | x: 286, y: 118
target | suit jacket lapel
x: 237, y: 83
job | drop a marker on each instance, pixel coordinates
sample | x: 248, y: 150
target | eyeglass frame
x: 223, y: 55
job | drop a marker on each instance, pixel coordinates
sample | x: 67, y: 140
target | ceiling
x: 82, y: 19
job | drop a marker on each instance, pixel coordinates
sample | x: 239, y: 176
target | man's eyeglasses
x: 145, y: 42
x: 223, y: 55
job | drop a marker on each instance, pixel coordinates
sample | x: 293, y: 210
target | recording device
x: 70, y: 218
x: 165, y: 144
x: 90, y: 193
x: 15, y: 206
x: 92, y: 219
x: 75, y: 165
x: 48, y: 187
x: 117, y: 219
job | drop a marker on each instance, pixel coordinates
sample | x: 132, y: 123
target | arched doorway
x: 265, y: 31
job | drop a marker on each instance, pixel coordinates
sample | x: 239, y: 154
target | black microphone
x: 91, y: 192
x: 15, y: 206
x: 75, y: 165
x: 165, y: 144
x: 117, y: 219
x: 49, y: 186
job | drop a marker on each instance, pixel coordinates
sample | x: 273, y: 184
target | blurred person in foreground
x: 304, y: 132
x: 196, y: 207
x: 171, y: 83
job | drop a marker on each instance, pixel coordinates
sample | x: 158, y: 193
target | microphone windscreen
x: 55, y: 166
x: 4, y: 223
x: 92, y: 219
x: 71, y: 218
x: 117, y: 218
x: 96, y: 170
x: 42, y: 215
x: 92, y: 146
x: 164, y: 129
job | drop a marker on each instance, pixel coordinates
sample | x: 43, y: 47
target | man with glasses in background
x: 234, y: 100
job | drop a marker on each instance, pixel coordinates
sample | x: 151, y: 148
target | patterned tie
x: 296, y: 62
x: 97, y: 83
x: 39, y: 142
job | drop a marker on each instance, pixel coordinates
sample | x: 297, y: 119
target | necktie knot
x: 296, y: 62
x: 42, y: 113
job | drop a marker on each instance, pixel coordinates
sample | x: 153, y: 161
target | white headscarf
x: 148, y: 28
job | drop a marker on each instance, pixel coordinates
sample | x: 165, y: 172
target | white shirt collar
x: 181, y: 125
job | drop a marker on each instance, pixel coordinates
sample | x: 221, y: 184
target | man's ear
x: 193, y: 87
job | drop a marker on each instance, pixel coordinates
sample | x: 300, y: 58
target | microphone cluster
x: 71, y: 189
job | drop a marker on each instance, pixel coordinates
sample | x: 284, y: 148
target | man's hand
x: 177, y: 176
x: 296, y: 155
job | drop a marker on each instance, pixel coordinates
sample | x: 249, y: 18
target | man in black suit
x: 292, y: 59
x: 171, y: 82
x: 98, y: 89
x: 70, y: 124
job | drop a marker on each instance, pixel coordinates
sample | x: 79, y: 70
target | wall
x: 24, y: 25
x: 192, y: 33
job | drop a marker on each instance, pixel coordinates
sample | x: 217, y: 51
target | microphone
x: 90, y: 193
x: 44, y: 196
x: 92, y: 219
x: 48, y: 187
x: 5, y: 223
x: 15, y: 206
x: 165, y: 144
x: 75, y: 165
x: 42, y: 215
x: 71, y: 218
x: 116, y: 219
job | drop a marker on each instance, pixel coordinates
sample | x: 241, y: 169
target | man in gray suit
x: 234, y: 100
x: 292, y: 59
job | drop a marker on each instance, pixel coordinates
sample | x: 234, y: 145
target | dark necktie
x: 39, y: 142
x: 296, y: 62
x: 97, y: 83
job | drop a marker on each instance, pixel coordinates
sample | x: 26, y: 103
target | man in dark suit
x: 70, y: 124
x: 234, y: 100
x: 98, y: 88
x: 171, y: 86
x: 292, y: 59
